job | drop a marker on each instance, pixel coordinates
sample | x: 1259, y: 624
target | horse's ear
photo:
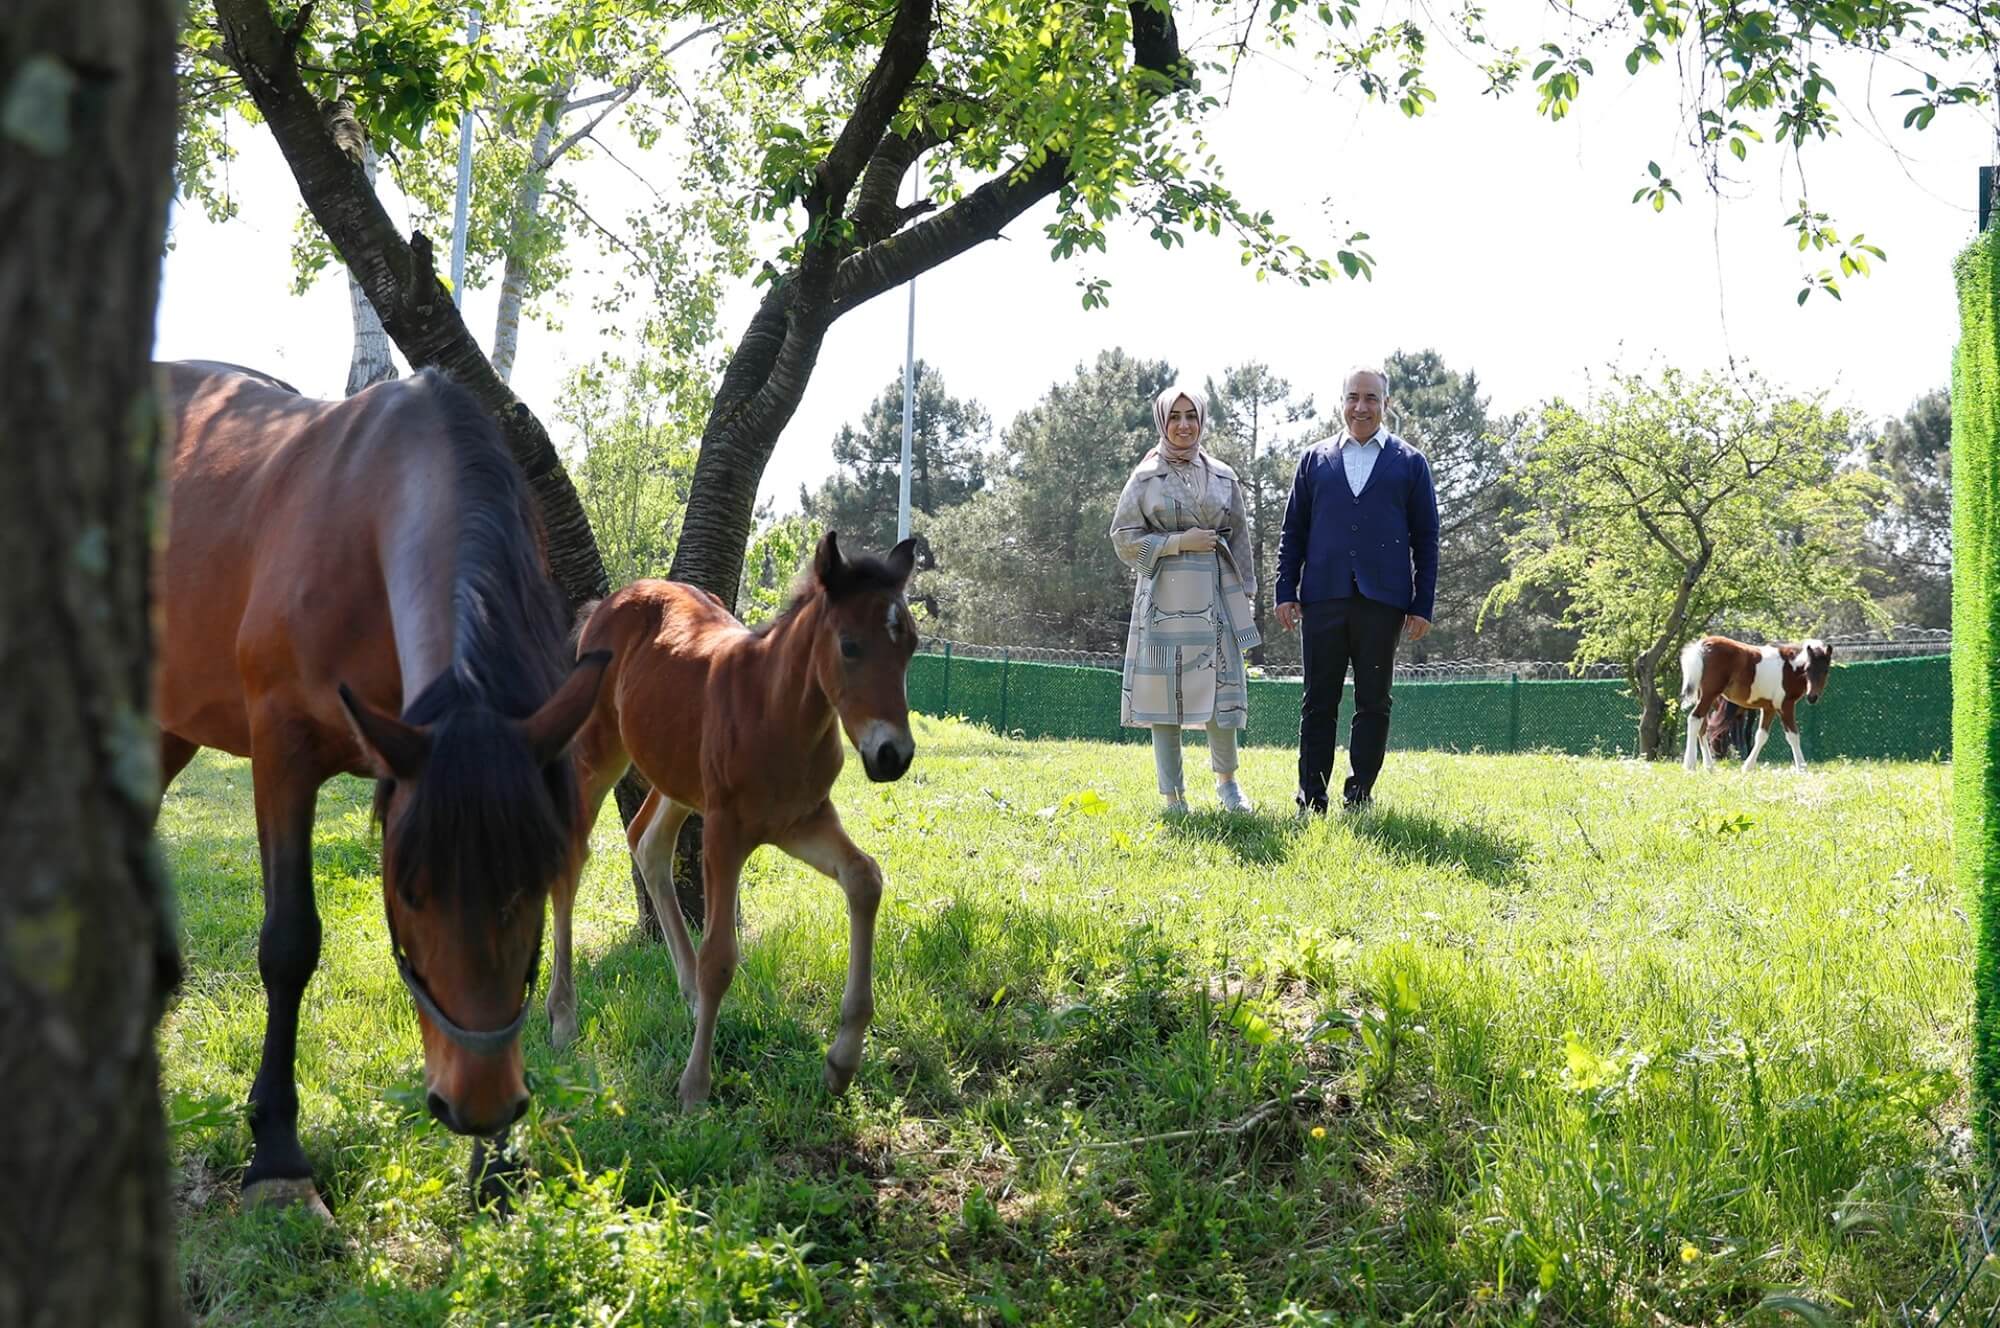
x: 903, y: 560
x: 829, y: 568
x: 548, y: 731
x: 394, y: 750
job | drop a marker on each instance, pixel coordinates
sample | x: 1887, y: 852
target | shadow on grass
x: 1257, y: 840
x: 1056, y: 1117
x: 1418, y: 837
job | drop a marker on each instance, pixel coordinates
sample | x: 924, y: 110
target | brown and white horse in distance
x: 1769, y: 679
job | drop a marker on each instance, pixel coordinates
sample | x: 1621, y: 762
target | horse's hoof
x: 693, y: 1096
x: 837, y: 1079
x: 562, y: 1030
x: 298, y: 1193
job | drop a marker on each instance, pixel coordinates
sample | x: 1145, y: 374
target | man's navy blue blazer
x: 1383, y: 541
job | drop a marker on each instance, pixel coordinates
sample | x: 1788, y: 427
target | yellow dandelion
x: 1319, y: 1131
x: 1689, y: 1254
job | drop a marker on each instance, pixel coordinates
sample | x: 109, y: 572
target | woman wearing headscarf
x: 1182, y: 525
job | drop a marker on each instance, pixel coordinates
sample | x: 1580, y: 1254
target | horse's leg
x: 175, y: 753
x: 724, y: 848
x: 1790, y: 717
x: 287, y: 954
x: 1763, y: 735
x: 822, y: 843
x: 652, y: 836
x: 561, y: 1002
x: 1690, y: 757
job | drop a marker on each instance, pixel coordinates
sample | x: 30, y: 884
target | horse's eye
x: 850, y: 648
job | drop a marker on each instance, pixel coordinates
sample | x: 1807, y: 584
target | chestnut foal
x: 745, y: 728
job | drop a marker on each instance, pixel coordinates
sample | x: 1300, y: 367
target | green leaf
x: 1256, y: 1030
x: 1786, y: 1302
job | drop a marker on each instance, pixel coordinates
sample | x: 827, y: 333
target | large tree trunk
x: 767, y: 375
x: 1646, y: 669
x: 87, y: 954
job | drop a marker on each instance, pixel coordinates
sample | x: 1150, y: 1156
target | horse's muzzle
x: 449, y: 1116
x: 886, y: 752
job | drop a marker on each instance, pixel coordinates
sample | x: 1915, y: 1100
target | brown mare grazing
x: 329, y: 566
x: 1766, y: 678
x: 745, y: 728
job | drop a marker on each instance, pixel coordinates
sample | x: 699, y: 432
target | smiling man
x: 1357, y: 567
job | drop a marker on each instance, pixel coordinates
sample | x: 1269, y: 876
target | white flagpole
x: 464, y: 182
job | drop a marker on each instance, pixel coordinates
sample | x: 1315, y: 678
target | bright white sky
x: 1509, y: 244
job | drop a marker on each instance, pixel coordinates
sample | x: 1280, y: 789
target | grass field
x: 1541, y: 1039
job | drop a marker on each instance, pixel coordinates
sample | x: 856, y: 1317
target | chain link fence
x: 1895, y: 708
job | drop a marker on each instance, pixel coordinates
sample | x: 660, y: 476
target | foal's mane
x: 484, y: 825
x: 859, y: 575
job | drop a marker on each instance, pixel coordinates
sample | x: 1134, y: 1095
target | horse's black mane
x: 484, y: 824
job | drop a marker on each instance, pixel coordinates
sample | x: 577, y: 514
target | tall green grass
x: 1541, y: 1039
x: 1975, y: 658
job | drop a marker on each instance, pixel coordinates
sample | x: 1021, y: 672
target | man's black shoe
x: 1354, y: 802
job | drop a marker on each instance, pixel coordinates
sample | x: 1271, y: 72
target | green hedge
x: 1975, y: 419
x: 1898, y: 709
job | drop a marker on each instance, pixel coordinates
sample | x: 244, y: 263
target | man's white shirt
x: 1358, y: 459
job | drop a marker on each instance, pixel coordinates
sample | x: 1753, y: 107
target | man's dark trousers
x: 1336, y: 632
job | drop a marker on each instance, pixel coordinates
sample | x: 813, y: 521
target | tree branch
x: 618, y: 98
x: 981, y: 215
x: 876, y: 215
x: 401, y: 280
x: 904, y: 51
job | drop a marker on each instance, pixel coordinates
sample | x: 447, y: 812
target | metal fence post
x: 1005, y: 656
x: 1514, y: 713
x: 944, y: 705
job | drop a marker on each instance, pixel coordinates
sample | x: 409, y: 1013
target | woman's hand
x: 1197, y: 541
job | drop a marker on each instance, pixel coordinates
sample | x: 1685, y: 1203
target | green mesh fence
x: 1895, y: 709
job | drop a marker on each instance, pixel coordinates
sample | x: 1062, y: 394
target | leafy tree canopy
x: 1665, y: 508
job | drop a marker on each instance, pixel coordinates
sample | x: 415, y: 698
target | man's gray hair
x: 1366, y: 369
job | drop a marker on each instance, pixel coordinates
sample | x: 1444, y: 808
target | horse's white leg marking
x: 1691, y: 669
x: 1757, y: 746
x: 1798, y: 752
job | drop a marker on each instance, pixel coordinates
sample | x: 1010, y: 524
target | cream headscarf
x: 1164, y: 403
